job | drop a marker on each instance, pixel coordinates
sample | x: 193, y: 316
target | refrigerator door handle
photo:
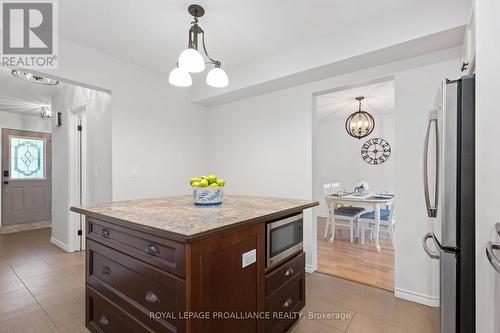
x: 493, y: 259
x: 430, y: 253
x: 431, y: 208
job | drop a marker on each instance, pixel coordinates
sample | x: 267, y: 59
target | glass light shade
x: 191, y: 61
x: 180, y: 78
x: 217, y: 78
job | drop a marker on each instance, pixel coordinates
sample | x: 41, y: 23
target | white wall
x: 263, y: 145
x: 415, y: 91
x: 11, y: 120
x: 487, y: 161
x: 154, y: 126
x: 99, y: 155
x: 339, y: 158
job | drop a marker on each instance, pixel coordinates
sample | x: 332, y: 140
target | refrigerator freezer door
x: 448, y: 291
x: 447, y: 283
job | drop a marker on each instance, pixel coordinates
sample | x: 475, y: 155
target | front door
x: 26, y: 177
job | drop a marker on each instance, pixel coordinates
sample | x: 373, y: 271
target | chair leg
x: 333, y: 229
x: 327, y: 225
x: 391, y: 233
x: 362, y: 233
x: 351, y: 230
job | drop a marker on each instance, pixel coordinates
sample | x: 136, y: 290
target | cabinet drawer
x: 137, y: 287
x: 162, y: 253
x: 284, y: 273
x: 104, y: 316
x: 285, y: 304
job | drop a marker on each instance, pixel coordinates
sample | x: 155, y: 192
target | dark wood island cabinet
x: 165, y: 265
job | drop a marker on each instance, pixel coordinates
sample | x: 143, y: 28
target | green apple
x: 211, y: 179
x: 213, y: 185
x: 195, y: 184
x: 194, y: 179
x: 203, y: 183
x: 221, y: 182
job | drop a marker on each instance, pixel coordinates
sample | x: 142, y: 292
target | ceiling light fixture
x: 46, y: 111
x: 191, y: 61
x: 33, y: 78
x: 360, y: 124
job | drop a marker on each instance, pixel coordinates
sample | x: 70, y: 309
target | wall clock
x: 376, y: 151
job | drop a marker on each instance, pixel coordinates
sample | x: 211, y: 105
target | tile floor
x: 42, y: 291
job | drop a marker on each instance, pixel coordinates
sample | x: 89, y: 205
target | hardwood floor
x: 356, y: 262
x: 42, y: 291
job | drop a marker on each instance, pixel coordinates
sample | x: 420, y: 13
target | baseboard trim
x: 60, y: 244
x: 309, y: 269
x: 416, y: 297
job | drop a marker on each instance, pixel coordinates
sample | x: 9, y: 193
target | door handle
x: 492, y: 258
x: 431, y: 208
x: 430, y: 253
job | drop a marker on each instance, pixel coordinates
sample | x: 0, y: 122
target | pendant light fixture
x: 192, y: 61
x: 33, y: 78
x: 360, y: 124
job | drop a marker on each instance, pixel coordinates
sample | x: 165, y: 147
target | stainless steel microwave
x: 283, y: 238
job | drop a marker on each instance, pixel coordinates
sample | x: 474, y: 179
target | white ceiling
x: 153, y: 33
x: 22, y: 96
x: 379, y: 100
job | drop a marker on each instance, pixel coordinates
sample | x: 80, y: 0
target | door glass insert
x: 27, y: 158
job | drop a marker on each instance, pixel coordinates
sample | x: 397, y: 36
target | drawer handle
x: 106, y: 270
x: 105, y: 233
x: 287, y: 304
x: 104, y: 321
x: 151, y: 249
x: 152, y: 298
x: 289, y: 272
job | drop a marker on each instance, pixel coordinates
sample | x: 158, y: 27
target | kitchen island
x: 166, y: 265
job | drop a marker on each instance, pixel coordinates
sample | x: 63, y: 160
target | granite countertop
x: 177, y: 215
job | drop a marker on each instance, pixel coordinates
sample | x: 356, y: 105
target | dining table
x: 369, y: 201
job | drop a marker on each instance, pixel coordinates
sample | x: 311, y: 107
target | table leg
x: 377, y: 225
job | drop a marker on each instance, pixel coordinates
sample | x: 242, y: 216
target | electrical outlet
x: 135, y: 172
x: 248, y: 258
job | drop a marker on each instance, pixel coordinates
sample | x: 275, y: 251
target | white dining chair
x: 387, y: 222
x: 343, y: 216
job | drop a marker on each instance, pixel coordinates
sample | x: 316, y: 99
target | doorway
x: 26, y: 177
x: 354, y: 248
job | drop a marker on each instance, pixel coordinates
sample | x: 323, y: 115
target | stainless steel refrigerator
x: 449, y: 185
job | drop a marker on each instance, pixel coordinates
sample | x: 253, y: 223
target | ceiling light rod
x: 191, y: 61
x: 198, y: 11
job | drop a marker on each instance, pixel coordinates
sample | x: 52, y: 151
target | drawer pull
x: 106, y: 270
x: 105, y: 233
x: 151, y: 297
x: 289, y: 272
x: 151, y: 249
x: 104, y: 321
x: 287, y: 304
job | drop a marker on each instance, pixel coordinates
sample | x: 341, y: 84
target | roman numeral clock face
x: 376, y: 151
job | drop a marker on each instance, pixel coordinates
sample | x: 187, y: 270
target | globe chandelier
x: 359, y: 124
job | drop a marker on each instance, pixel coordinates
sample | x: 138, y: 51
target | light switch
x: 135, y: 172
x: 248, y: 258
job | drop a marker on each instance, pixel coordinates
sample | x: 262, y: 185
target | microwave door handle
x: 431, y: 208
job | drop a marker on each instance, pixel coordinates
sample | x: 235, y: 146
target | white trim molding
x: 310, y: 269
x: 417, y: 297
x: 60, y: 244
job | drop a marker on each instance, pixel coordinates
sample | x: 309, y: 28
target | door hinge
x: 79, y: 128
x: 79, y: 232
